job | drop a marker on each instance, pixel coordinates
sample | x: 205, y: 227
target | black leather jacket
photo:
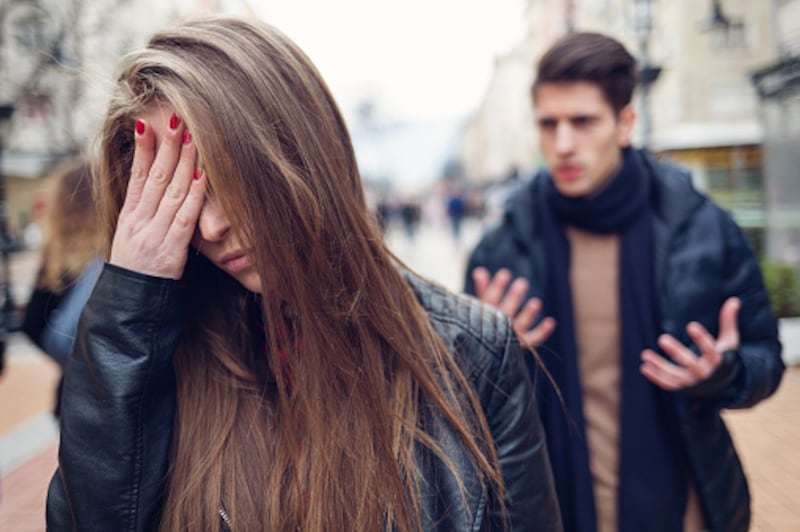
x: 700, y: 259
x: 119, y: 404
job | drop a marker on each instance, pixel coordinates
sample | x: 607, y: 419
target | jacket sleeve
x: 759, y: 349
x: 513, y: 418
x: 475, y: 259
x: 59, y: 333
x: 118, y: 406
x: 40, y: 305
x: 486, y: 254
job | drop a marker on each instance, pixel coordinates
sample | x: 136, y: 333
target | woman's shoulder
x: 471, y: 330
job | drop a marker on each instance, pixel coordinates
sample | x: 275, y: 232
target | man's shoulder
x: 675, y: 196
x: 494, y: 234
x: 669, y: 174
x: 517, y: 220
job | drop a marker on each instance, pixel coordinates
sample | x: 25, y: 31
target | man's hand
x: 492, y: 290
x: 691, y: 369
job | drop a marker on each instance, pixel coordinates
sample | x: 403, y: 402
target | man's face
x: 580, y: 135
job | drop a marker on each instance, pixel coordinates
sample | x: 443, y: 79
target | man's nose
x: 565, y: 138
x: 213, y: 225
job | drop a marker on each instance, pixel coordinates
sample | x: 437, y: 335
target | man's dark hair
x: 594, y: 58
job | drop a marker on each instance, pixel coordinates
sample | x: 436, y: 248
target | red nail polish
x: 174, y: 121
x: 140, y: 127
x: 197, y: 173
x: 187, y: 137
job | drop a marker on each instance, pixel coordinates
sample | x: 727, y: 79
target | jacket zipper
x: 225, y: 518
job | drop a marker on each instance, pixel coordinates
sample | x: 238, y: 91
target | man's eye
x: 582, y: 121
x: 547, y: 124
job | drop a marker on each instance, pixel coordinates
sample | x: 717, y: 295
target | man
x: 656, y: 313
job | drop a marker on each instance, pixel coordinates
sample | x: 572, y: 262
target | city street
x: 766, y: 436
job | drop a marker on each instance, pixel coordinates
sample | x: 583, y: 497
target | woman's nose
x: 213, y: 225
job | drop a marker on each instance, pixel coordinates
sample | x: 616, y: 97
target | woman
x: 252, y: 357
x: 70, y: 262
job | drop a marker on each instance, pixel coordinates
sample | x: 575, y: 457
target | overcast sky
x: 419, y: 60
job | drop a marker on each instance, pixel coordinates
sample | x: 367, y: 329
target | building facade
x: 57, y: 62
x: 778, y: 86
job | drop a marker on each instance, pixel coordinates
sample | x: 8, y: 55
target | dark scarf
x: 652, y: 473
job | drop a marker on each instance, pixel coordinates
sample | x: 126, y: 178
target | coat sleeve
x: 513, y: 418
x: 759, y: 349
x: 59, y: 333
x: 475, y: 259
x: 118, y: 406
x: 486, y: 253
x: 40, y: 305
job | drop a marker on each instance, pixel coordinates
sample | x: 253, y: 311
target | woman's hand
x: 165, y: 194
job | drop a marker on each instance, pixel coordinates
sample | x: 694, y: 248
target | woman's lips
x: 235, y: 262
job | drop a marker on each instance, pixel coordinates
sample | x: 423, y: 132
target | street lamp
x: 20, y: 27
x: 648, y: 72
x: 718, y: 20
x: 726, y: 31
x: 7, y: 316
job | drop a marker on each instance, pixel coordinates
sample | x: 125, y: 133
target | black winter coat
x: 700, y: 259
x: 119, y: 408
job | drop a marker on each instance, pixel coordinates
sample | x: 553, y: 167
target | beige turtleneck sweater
x: 594, y: 281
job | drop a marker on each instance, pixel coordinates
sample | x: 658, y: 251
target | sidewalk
x: 28, y: 435
x: 766, y: 436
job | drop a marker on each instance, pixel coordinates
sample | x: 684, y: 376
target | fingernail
x: 174, y: 121
x: 140, y: 127
x: 187, y: 137
x: 197, y: 173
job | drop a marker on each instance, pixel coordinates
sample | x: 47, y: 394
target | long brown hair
x: 329, y: 444
x: 71, y: 236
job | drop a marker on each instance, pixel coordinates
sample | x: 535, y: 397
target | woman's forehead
x: 157, y: 116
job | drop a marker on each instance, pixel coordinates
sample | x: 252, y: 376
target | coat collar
x: 673, y: 199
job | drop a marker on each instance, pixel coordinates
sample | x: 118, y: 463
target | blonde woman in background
x: 69, y: 265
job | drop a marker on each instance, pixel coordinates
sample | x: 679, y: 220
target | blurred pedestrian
x: 456, y: 209
x: 383, y: 213
x: 662, y: 316
x: 411, y: 215
x: 69, y: 264
x: 252, y: 357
